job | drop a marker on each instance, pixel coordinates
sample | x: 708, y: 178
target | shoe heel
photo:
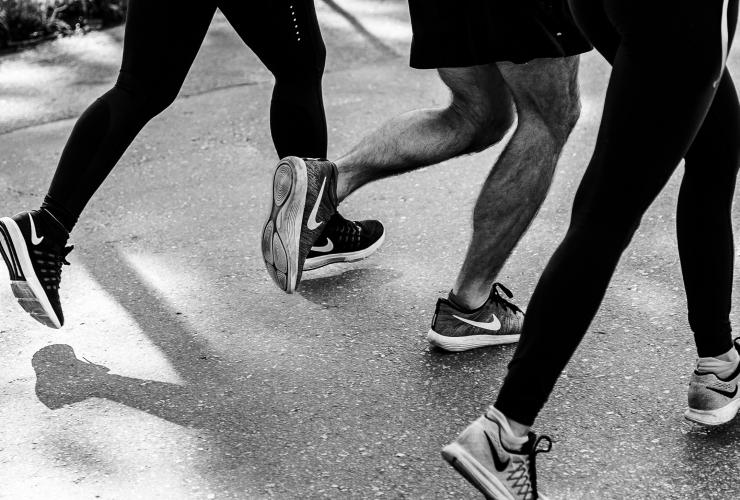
x: 282, y: 183
x: 8, y: 254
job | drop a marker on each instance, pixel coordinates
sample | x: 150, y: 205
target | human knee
x: 546, y: 93
x: 483, y: 120
x: 148, y: 98
x: 303, y: 66
x: 557, y: 114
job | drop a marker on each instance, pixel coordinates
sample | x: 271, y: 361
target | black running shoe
x: 34, y: 263
x: 345, y: 241
x: 496, y: 322
x: 304, y: 199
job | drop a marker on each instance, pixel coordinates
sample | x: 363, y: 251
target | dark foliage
x: 28, y: 21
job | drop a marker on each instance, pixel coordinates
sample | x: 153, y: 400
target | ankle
x: 346, y: 185
x: 732, y: 355
x: 466, y: 301
x: 513, y: 434
x: 723, y: 365
x: 517, y: 429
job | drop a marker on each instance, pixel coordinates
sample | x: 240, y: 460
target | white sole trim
x: 30, y: 293
x: 714, y: 417
x: 325, y: 260
x: 458, y: 344
x: 282, y: 232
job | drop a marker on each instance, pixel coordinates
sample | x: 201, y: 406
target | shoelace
x: 501, y: 300
x: 348, y: 232
x: 524, y: 475
x: 50, y: 266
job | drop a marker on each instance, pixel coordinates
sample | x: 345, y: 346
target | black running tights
x: 669, y: 98
x: 161, y: 40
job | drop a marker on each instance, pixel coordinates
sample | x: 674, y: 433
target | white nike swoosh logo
x: 312, y: 223
x: 492, y: 326
x: 324, y: 248
x: 34, y: 237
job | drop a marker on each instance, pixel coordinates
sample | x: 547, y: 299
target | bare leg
x: 478, y: 115
x: 547, y: 102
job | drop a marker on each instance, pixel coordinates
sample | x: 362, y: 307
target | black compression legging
x: 161, y: 40
x: 666, y: 101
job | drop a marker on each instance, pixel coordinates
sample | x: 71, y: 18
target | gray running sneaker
x: 304, y: 199
x: 712, y: 400
x: 499, y: 473
x: 496, y: 322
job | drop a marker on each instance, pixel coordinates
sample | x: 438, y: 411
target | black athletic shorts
x: 458, y: 33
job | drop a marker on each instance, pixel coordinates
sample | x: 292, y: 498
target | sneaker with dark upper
x: 345, y: 241
x: 479, y: 455
x: 712, y: 400
x: 302, y: 204
x: 496, y: 322
x: 34, y: 262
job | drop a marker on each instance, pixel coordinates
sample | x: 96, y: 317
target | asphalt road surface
x: 183, y: 372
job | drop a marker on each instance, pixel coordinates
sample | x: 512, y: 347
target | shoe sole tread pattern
x: 281, y: 233
x: 458, y: 344
x: 25, y: 285
x: 714, y: 417
x: 325, y: 260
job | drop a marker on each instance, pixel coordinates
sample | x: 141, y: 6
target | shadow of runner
x: 216, y: 396
x: 63, y: 379
x: 354, y: 396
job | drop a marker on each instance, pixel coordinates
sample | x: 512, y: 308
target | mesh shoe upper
x: 497, y: 316
x: 707, y: 392
x: 320, y: 206
x: 342, y: 236
x: 479, y: 454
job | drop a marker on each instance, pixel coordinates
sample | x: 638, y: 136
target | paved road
x: 205, y: 381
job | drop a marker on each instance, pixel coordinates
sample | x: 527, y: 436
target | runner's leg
x: 161, y: 41
x: 285, y: 35
x: 632, y: 161
x: 548, y: 105
x: 478, y: 115
x: 704, y: 222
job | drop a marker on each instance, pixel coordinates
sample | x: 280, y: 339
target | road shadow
x: 259, y: 414
x: 63, y: 379
x: 321, y: 288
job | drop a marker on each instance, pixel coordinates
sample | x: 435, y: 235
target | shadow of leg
x: 63, y: 379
